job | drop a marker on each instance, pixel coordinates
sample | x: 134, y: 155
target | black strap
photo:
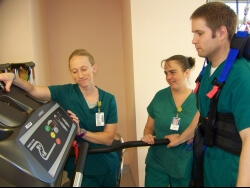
x: 197, y: 179
x: 246, y: 51
x: 209, y: 136
x: 241, y: 42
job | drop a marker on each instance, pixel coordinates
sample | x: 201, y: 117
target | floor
x: 126, y: 180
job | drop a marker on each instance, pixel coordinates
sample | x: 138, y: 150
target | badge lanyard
x: 175, y: 124
x: 99, y: 116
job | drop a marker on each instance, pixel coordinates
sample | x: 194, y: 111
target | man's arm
x: 244, y: 165
x: 176, y: 139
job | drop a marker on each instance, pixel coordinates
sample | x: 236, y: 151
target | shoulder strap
x: 240, y: 46
x: 237, y: 45
x: 209, y: 136
x: 198, y: 81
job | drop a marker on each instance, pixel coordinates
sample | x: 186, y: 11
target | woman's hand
x: 149, y: 139
x: 76, y: 120
x: 7, y: 78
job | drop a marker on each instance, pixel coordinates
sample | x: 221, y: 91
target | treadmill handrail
x: 127, y: 144
x: 85, y: 150
x: 80, y: 164
x: 4, y: 66
x: 30, y: 64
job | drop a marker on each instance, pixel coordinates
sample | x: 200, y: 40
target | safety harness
x: 218, y: 129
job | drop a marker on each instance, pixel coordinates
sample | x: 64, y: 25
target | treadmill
x: 35, y: 139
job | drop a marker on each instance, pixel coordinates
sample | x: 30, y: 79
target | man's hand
x: 190, y: 140
x: 174, y: 140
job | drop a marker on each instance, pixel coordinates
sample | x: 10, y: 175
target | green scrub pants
x: 158, y: 178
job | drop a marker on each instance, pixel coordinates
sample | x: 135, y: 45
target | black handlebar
x: 128, y: 144
x: 4, y: 66
x: 30, y: 64
x: 85, y: 150
x: 80, y: 164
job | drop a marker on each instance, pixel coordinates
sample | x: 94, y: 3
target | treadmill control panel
x: 47, y: 137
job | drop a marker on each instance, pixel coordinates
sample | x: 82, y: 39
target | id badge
x: 175, y: 123
x: 99, y: 117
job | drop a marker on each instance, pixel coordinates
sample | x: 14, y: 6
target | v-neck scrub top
x: 71, y: 98
x: 175, y: 161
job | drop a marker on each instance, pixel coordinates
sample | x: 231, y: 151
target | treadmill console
x: 35, y: 140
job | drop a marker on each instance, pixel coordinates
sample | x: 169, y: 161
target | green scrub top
x: 220, y: 167
x: 176, y: 161
x: 70, y: 97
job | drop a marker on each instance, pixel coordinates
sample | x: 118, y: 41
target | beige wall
x: 23, y: 36
x: 160, y: 28
x: 128, y: 38
x: 131, y: 153
x: 96, y: 26
x: 40, y: 42
x: 15, y: 32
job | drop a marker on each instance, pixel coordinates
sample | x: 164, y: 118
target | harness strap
x: 197, y: 179
x: 209, y: 136
x: 237, y: 43
x: 239, y: 46
x: 198, y: 79
x: 226, y: 135
x: 246, y: 51
x: 241, y: 41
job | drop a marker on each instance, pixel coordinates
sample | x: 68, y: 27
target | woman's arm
x: 39, y: 92
x: 148, y: 133
x: 106, y: 137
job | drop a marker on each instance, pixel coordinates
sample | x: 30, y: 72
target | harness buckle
x: 217, y: 85
x: 197, y: 81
